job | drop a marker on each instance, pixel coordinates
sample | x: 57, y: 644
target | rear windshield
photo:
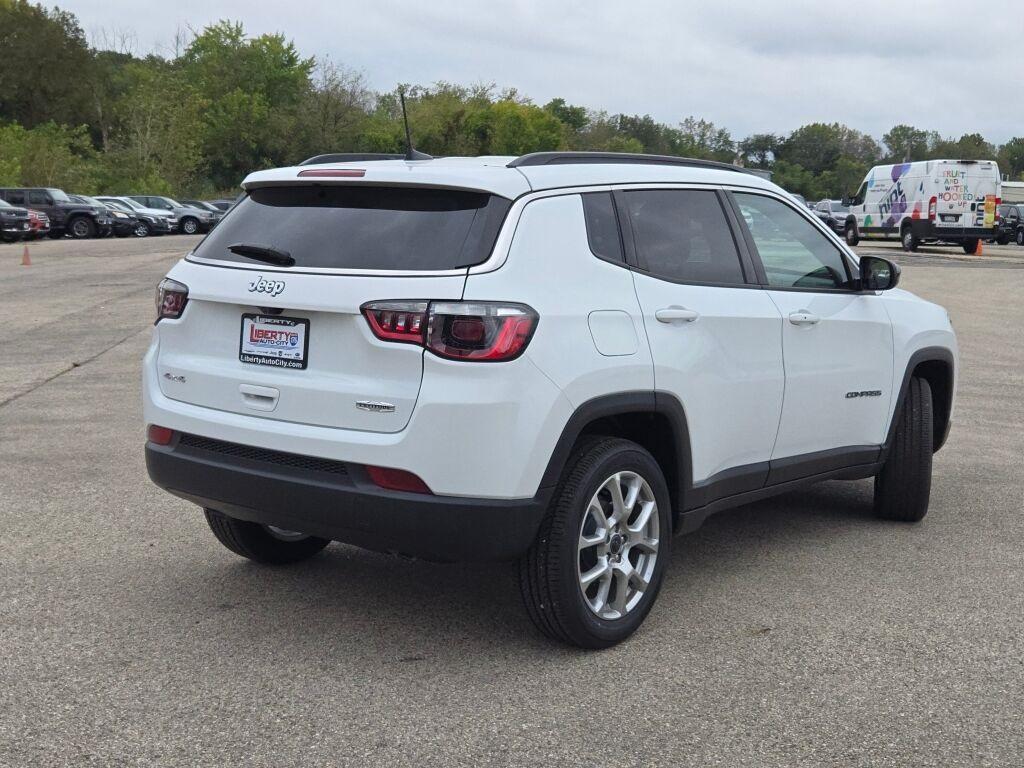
x: 363, y: 227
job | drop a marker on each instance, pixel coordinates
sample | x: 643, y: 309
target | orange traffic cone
x: 26, y: 260
x: 978, y: 250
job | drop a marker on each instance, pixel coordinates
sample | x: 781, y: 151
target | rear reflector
x: 159, y: 435
x: 333, y: 173
x: 396, y: 480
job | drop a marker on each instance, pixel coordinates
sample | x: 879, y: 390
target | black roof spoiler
x: 586, y: 158
x: 350, y: 157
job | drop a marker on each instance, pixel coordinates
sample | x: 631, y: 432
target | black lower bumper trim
x: 346, y: 507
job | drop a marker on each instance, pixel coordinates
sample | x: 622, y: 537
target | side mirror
x: 877, y: 274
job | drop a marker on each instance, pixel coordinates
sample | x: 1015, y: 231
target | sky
x: 751, y: 67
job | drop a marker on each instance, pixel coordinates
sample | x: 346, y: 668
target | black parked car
x: 124, y: 224
x: 1011, y: 224
x: 66, y: 216
x: 833, y: 213
x: 146, y: 224
x: 14, y: 223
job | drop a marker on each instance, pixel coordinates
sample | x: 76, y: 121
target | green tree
x: 250, y: 90
x: 758, y: 150
x: 44, y: 63
x: 1011, y: 158
x: 703, y: 139
x: 905, y: 142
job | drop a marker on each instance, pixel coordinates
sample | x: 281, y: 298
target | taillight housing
x: 171, y: 298
x: 932, y: 208
x: 471, y: 331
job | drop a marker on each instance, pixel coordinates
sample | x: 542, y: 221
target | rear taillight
x: 171, y: 298
x: 397, y: 320
x: 932, y: 206
x: 476, y: 331
x: 999, y: 201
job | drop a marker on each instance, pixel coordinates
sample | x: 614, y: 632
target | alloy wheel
x: 618, y: 545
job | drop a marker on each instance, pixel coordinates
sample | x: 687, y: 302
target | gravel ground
x: 797, y: 632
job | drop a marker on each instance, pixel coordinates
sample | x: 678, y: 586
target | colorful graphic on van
x: 895, y: 203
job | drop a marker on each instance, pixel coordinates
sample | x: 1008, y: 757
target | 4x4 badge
x: 261, y: 285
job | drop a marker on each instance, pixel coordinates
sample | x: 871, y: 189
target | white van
x: 952, y: 201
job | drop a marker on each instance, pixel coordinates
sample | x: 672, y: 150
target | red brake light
x: 477, y: 331
x: 171, y: 298
x: 932, y: 205
x: 333, y: 173
x: 396, y: 480
x: 159, y: 435
x: 397, y: 320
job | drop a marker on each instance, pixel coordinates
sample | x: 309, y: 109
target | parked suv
x: 123, y: 223
x: 560, y: 359
x: 15, y: 223
x: 191, y: 220
x: 834, y: 214
x: 66, y: 216
x: 1010, y: 224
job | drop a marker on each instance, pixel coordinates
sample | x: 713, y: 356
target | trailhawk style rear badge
x: 282, y: 342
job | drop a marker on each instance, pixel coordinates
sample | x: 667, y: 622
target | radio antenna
x: 410, y: 152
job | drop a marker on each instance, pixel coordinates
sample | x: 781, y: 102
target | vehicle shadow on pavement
x: 347, y: 600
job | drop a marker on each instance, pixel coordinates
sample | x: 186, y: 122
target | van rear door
x: 966, y: 193
x: 284, y: 338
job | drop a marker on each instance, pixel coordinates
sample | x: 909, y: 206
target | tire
x: 852, y: 235
x: 970, y: 245
x: 1020, y: 237
x: 82, y: 227
x: 142, y: 229
x: 550, y: 572
x: 903, y: 486
x: 260, y: 543
x: 1002, y: 240
x: 189, y: 226
x: 909, y: 240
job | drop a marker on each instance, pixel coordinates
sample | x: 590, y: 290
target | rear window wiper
x: 265, y: 253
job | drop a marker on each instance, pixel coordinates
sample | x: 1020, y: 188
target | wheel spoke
x: 599, y: 570
x: 614, y: 486
x: 596, y: 511
x: 592, y: 540
x: 621, y: 590
x: 647, y: 508
x: 648, y: 546
x: 636, y: 580
x: 600, y: 601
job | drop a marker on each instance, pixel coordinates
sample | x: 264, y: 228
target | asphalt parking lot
x: 799, y: 631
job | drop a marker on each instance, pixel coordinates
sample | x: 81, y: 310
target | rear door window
x: 16, y: 197
x: 683, y: 235
x: 37, y: 198
x: 363, y: 227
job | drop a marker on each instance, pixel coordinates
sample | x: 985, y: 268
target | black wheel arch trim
x: 942, y: 395
x: 624, y: 404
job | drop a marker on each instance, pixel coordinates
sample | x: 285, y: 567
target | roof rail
x: 350, y: 157
x: 570, y: 158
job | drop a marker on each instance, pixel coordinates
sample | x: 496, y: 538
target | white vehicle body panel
x: 753, y: 386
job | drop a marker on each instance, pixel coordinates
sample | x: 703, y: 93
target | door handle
x: 803, y: 317
x: 672, y: 314
x: 259, y: 398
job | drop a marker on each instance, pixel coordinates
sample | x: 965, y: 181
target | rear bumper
x: 337, y: 501
x: 927, y: 230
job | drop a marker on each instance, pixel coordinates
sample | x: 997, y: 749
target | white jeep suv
x: 561, y: 359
